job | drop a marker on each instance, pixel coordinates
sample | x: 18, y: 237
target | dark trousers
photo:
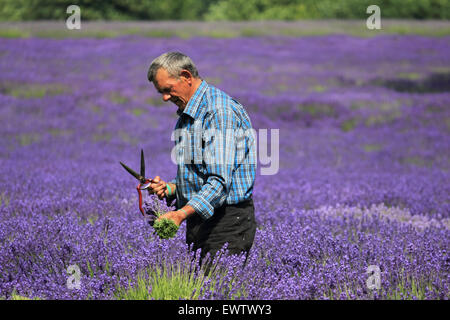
x: 232, y: 224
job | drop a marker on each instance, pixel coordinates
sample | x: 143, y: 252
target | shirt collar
x: 194, y: 102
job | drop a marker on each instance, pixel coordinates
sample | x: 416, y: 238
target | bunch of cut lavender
x: 165, y: 228
x: 154, y: 208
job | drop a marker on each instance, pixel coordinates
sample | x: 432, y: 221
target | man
x: 216, y: 159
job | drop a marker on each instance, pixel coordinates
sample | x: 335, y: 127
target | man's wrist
x: 186, y: 212
x: 170, y: 190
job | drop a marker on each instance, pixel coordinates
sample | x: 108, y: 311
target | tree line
x: 216, y: 10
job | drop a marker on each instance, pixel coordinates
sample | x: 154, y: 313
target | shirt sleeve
x: 219, y: 158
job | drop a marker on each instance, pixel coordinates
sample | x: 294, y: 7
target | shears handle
x: 139, y: 189
x: 140, y: 200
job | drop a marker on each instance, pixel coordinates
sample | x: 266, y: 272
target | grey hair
x: 173, y: 63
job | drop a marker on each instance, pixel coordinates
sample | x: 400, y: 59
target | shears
x: 144, y: 182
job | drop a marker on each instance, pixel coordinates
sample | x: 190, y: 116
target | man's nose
x: 166, y: 97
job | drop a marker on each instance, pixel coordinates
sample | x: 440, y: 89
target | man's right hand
x: 159, y: 187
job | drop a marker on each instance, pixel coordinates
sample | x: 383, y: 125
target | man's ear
x: 186, y: 75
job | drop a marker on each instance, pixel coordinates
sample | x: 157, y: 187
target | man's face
x: 176, y: 90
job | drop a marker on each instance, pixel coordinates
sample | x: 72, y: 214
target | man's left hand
x: 175, y: 216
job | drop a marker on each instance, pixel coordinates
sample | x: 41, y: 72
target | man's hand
x: 159, y: 187
x: 176, y: 216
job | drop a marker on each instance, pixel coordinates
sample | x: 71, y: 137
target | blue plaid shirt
x: 215, y: 151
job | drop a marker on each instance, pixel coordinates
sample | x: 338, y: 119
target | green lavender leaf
x: 165, y: 228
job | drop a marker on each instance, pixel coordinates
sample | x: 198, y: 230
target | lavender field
x: 363, y: 179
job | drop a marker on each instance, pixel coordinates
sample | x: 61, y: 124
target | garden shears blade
x: 144, y: 183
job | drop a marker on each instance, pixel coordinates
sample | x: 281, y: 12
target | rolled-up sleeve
x: 219, y: 157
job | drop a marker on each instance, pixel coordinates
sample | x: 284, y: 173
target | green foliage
x: 15, y: 296
x: 349, y: 125
x: 13, y: 33
x: 169, y: 282
x: 16, y: 10
x: 165, y: 228
x: 260, y: 10
x: 213, y: 10
x: 25, y: 139
x: 32, y: 90
x: 311, y: 9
